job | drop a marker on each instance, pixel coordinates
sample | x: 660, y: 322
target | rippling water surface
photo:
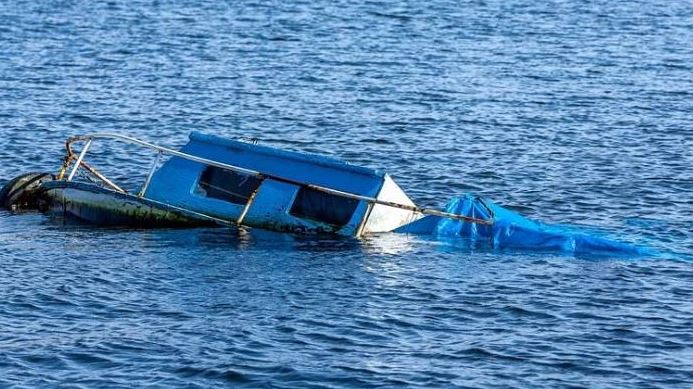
x: 577, y: 112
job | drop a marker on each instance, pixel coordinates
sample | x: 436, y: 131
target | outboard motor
x: 24, y: 192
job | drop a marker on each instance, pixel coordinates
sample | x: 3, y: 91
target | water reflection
x: 391, y: 243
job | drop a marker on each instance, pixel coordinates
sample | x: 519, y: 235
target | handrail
x: 371, y: 200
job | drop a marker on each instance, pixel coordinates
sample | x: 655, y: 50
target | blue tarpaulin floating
x: 514, y: 231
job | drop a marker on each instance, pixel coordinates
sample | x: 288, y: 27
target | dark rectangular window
x: 227, y: 185
x: 323, y: 207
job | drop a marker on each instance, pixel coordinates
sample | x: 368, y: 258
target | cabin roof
x: 302, y: 157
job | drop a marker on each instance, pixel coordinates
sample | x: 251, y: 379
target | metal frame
x: 164, y: 150
x: 152, y: 169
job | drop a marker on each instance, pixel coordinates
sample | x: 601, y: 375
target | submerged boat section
x: 102, y: 206
x: 230, y: 182
x: 219, y: 181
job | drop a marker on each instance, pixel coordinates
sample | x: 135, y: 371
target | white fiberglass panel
x: 384, y: 218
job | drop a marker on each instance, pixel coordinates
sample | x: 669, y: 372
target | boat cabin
x: 278, y: 189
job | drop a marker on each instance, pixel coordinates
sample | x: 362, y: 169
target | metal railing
x: 79, y: 162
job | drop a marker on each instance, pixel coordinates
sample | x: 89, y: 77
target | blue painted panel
x: 176, y: 183
x: 270, y: 209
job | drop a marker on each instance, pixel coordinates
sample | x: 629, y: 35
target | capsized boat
x: 218, y: 181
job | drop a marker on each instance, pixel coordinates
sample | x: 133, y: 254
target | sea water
x: 568, y: 112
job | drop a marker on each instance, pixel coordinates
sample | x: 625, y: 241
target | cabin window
x: 323, y: 207
x: 227, y: 185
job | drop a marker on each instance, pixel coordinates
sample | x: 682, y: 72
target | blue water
x: 573, y: 112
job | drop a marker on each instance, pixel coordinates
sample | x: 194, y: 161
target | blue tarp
x: 514, y: 231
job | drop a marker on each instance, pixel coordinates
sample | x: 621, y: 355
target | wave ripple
x: 570, y: 112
